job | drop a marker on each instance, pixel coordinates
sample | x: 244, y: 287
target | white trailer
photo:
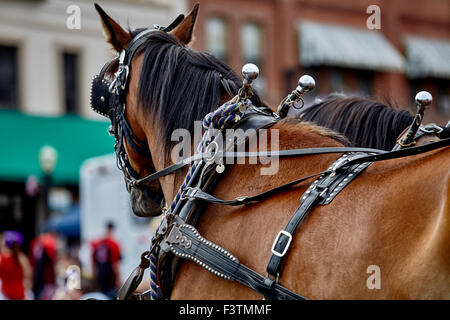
x: 103, y: 198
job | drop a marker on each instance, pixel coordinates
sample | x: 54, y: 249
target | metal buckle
x: 340, y: 163
x: 188, y: 193
x: 324, y: 190
x: 287, y: 234
x: 431, y: 128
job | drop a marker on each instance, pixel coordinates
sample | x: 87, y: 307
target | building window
x: 9, y: 84
x: 251, y: 43
x: 71, y: 82
x: 252, y: 50
x: 217, y: 38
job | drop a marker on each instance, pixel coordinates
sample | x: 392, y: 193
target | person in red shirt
x: 43, y: 254
x: 105, y: 260
x: 15, y: 270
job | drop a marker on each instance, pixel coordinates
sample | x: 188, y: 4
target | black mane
x: 180, y: 85
x: 366, y: 123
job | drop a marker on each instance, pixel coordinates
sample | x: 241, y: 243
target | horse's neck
x: 295, y: 135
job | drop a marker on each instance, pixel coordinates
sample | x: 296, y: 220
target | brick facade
x: 278, y: 19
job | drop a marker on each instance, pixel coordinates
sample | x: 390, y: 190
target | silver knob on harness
x: 423, y: 99
x: 306, y: 83
x: 250, y: 72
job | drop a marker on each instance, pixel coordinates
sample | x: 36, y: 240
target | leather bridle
x: 109, y: 99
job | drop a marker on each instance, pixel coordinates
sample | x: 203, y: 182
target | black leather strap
x: 137, y: 145
x: 445, y: 133
x: 134, y: 279
x: 236, y: 155
x: 321, y: 191
x: 402, y: 152
x: 198, y: 194
x: 380, y: 155
x: 185, y: 242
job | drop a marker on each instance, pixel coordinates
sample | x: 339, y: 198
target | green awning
x: 74, y: 138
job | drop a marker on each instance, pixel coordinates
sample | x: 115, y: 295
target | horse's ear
x: 115, y: 34
x: 186, y: 27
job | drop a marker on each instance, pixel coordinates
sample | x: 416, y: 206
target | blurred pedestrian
x: 15, y: 269
x: 43, y: 254
x: 106, y: 257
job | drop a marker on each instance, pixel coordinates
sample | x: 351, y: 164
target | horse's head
x: 155, y: 86
x: 114, y: 94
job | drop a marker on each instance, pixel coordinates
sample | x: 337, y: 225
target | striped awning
x: 337, y: 45
x: 427, y: 57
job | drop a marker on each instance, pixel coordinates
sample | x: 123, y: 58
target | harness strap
x: 445, y: 133
x: 198, y: 194
x: 134, y: 279
x: 401, y: 153
x: 134, y: 142
x: 321, y: 191
x: 283, y: 239
x: 234, y: 155
x: 184, y: 241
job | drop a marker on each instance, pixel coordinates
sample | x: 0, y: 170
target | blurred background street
x: 62, y: 198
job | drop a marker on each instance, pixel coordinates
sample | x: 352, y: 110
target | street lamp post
x: 48, y: 157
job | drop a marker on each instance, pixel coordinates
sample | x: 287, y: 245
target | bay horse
x: 395, y: 215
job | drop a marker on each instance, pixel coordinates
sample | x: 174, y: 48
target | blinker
x: 100, y: 97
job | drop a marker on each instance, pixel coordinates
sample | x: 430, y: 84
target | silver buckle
x: 286, y: 247
x: 431, y: 128
x: 323, y: 192
x: 188, y: 193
